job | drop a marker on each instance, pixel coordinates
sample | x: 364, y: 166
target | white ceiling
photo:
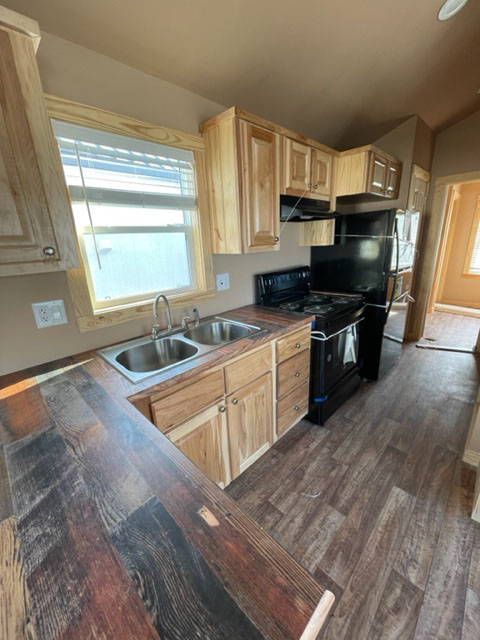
x: 343, y: 71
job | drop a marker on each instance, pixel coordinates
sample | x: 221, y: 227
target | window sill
x: 103, y: 319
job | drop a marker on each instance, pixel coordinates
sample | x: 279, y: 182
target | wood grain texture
x: 342, y: 555
x: 247, y: 369
x: 6, y: 507
x: 82, y: 461
x: 424, y: 404
x: 442, y: 612
x: 14, y: 594
x: 182, y: 595
x: 63, y: 539
x: 415, y: 557
x: 397, y: 613
x: 355, y: 613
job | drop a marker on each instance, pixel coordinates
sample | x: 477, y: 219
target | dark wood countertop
x: 109, y: 531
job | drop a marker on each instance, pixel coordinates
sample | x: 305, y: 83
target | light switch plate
x: 49, y: 314
x: 223, y: 281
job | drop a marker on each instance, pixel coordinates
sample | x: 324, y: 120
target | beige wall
x: 458, y: 288
x: 76, y: 73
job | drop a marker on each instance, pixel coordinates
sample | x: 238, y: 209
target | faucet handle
x: 197, y: 316
x: 185, y: 321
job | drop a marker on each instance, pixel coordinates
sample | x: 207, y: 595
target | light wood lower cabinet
x: 204, y: 439
x: 226, y: 419
x: 250, y: 423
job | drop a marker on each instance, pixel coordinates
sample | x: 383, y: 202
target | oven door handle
x: 322, y: 337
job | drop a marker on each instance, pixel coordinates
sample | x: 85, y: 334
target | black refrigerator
x: 372, y: 255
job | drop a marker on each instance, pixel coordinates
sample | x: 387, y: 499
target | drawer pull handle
x: 222, y: 409
x: 296, y: 407
x: 298, y: 345
x: 297, y: 374
x: 234, y: 401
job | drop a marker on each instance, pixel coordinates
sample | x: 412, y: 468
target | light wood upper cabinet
x: 308, y: 171
x: 250, y: 423
x: 260, y: 185
x: 419, y: 187
x: 366, y: 174
x: 378, y: 174
x: 204, y: 440
x: 297, y: 159
x: 243, y: 162
x: 36, y: 224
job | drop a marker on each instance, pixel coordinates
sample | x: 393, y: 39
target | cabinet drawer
x: 247, y: 369
x: 293, y: 372
x: 291, y: 408
x: 293, y: 344
x: 182, y: 404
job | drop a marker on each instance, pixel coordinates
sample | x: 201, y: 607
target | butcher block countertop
x: 109, y: 531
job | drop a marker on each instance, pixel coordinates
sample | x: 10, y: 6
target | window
x: 134, y: 204
x: 472, y: 261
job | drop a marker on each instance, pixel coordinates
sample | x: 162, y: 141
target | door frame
x: 424, y: 276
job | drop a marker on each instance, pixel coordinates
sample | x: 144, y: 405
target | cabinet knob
x: 234, y: 401
x: 315, y: 187
x: 222, y: 409
x: 309, y: 185
x: 276, y: 238
x: 298, y: 345
x: 297, y: 374
x: 49, y: 251
x: 296, y: 407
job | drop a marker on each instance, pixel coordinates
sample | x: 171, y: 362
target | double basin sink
x: 144, y: 357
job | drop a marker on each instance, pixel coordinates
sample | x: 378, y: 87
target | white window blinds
x: 134, y: 204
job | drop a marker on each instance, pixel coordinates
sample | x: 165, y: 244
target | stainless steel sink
x: 142, y: 358
x: 156, y: 354
x: 218, y: 332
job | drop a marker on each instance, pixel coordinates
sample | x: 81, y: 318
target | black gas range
x: 335, y: 337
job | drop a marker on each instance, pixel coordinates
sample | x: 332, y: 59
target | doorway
x: 453, y: 317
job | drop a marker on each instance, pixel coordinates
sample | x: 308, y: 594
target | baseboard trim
x: 473, y: 312
x: 471, y: 457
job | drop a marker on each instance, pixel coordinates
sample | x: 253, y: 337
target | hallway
x: 451, y: 329
x: 377, y: 503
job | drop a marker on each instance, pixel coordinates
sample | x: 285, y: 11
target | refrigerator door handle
x: 395, y: 277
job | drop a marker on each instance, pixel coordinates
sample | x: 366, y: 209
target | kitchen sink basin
x: 143, y: 357
x: 155, y: 355
x: 218, y: 332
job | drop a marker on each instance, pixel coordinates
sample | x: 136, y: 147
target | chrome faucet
x: 156, y: 327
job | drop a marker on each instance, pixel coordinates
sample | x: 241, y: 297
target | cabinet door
x: 419, y: 186
x: 377, y: 174
x: 204, y: 439
x: 261, y: 187
x: 321, y: 173
x: 36, y: 226
x: 394, y: 173
x: 250, y: 423
x: 297, y: 167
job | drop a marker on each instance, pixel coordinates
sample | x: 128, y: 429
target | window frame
x: 471, y: 243
x: 89, y: 318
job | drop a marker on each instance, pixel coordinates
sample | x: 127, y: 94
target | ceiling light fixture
x: 450, y: 8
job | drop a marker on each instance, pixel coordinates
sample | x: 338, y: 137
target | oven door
x: 334, y: 356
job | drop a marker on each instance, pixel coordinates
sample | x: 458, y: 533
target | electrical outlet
x: 49, y: 314
x: 223, y: 281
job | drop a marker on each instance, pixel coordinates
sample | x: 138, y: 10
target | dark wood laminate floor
x: 377, y: 503
x: 451, y: 329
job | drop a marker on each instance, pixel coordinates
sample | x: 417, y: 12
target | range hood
x: 295, y: 209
